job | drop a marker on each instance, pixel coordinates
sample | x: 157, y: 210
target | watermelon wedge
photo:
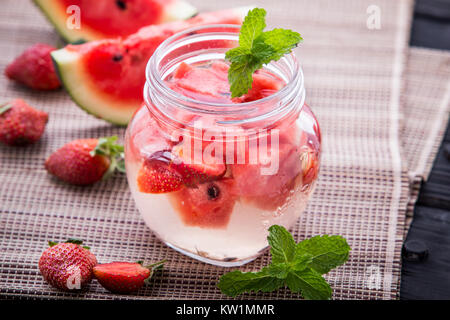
x: 106, y: 77
x: 100, y: 19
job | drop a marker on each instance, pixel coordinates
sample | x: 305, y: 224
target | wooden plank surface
x: 430, y: 278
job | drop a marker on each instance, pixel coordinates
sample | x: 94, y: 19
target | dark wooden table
x: 426, y: 262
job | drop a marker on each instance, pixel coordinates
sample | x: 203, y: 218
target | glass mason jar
x: 210, y: 176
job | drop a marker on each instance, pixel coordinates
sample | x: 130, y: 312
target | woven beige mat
x: 353, y: 79
x: 426, y: 108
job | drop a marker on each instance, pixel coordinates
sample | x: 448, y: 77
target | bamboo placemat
x: 353, y: 82
x: 426, y: 107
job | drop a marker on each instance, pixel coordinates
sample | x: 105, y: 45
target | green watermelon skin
x: 106, y: 77
x: 101, y: 19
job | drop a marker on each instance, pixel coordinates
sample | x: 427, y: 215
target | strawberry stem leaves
x: 74, y: 241
x: 70, y: 240
x: 5, y: 107
x: 154, y: 267
x: 108, y: 147
x: 52, y: 243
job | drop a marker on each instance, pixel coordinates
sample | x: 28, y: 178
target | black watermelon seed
x: 121, y: 4
x: 229, y: 259
x: 117, y: 57
x: 213, y: 192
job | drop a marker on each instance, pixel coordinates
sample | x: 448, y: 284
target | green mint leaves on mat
x: 299, y: 266
x: 256, y: 48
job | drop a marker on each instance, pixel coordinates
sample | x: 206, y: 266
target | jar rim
x: 154, y: 76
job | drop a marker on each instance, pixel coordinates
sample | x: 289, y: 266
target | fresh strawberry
x: 86, y: 161
x: 157, y: 177
x: 124, y: 277
x: 68, y: 265
x: 21, y: 124
x: 165, y: 171
x: 34, y: 68
x: 193, y: 172
x: 207, y: 205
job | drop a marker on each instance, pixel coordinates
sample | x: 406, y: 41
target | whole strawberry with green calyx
x: 86, y: 161
x: 68, y: 265
x: 125, y: 277
x: 21, y: 124
x: 34, y: 68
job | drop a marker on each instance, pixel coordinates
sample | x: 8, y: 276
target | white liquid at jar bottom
x: 243, y: 238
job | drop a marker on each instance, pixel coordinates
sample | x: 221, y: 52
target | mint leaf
x: 238, y: 55
x: 237, y: 282
x: 282, y: 41
x: 279, y: 270
x: 282, y: 244
x: 256, y: 48
x: 297, y: 266
x: 301, y: 261
x: 327, y: 252
x: 262, y: 52
x: 252, y: 27
x: 240, y: 77
x: 310, y: 283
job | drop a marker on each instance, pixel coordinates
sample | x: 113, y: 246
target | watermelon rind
x: 70, y: 72
x: 56, y: 15
x: 70, y: 68
x: 179, y: 10
x: 52, y: 10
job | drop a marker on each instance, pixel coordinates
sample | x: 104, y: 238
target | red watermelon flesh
x: 209, y: 83
x: 269, y: 191
x: 101, y: 19
x: 208, y: 205
x: 118, y: 67
x: 118, y: 17
x: 113, y: 71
